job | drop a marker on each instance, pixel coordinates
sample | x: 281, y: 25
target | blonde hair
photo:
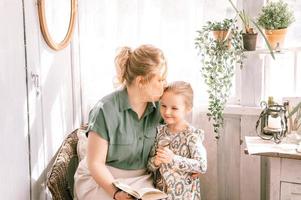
x: 143, y: 61
x: 181, y: 88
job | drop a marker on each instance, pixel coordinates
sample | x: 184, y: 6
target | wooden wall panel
x: 209, y: 180
x: 249, y: 165
x: 33, y: 57
x: 231, y: 174
x: 228, y: 154
x: 52, y: 112
x: 14, y: 158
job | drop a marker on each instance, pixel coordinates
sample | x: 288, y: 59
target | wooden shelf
x: 266, y: 51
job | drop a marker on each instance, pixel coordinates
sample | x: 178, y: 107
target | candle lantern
x: 272, y: 122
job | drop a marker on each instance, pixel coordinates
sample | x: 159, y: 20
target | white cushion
x: 82, y: 144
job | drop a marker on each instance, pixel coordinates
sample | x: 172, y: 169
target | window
x: 282, y: 76
x: 170, y: 25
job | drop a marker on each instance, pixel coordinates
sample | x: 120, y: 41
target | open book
x: 142, y: 193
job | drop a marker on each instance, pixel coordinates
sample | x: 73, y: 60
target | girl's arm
x: 152, y: 164
x: 198, y: 161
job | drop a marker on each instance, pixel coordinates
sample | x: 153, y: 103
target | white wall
x: 34, y: 118
x: 14, y: 170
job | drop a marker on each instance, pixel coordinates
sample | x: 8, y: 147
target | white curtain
x: 105, y: 25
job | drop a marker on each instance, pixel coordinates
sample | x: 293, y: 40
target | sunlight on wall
x: 57, y: 124
x: 47, y: 58
x: 32, y: 108
x: 56, y: 100
x: 38, y: 166
x: 298, y: 75
x: 279, y: 75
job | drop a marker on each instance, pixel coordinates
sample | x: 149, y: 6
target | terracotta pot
x: 220, y: 35
x: 276, y: 36
x: 249, y: 40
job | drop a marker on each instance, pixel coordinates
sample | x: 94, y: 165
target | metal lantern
x: 272, y: 122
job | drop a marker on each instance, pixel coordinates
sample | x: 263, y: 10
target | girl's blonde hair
x: 145, y: 61
x: 184, y: 89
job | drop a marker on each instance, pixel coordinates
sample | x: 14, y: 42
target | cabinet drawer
x: 290, y: 191
x: 290, y: 170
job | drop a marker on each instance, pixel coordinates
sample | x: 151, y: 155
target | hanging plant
x: 219, y: 58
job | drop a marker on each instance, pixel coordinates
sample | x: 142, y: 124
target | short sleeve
x: 97, y: 123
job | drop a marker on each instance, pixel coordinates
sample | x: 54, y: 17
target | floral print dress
x: 190, y: 157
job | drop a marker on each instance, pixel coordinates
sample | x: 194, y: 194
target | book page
x: 154, y: 196
x: 151, y: 193
x: 142, y: 193
x: 126, y: 188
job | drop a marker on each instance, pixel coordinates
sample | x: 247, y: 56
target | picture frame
x: 45, y: 31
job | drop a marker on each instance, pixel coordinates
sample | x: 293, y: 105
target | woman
x: 122, y: 127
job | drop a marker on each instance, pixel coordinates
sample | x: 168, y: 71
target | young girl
x: 178, y: 153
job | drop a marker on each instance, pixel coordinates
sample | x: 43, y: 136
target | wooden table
x: 282, y: 172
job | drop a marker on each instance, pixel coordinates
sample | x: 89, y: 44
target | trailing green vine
x: 219, y: 58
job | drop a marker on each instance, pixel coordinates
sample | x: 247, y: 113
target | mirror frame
x: 45, y: 32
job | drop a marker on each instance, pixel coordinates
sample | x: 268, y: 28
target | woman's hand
x: 123, y: 196
x: 164, y: 155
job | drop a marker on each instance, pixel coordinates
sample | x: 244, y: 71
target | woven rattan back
x: 60, y: 177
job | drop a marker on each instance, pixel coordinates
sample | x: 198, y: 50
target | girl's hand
x: 195, y: 175
x: 165, y: 155
x: 123, y: 196
x: 157, y: 161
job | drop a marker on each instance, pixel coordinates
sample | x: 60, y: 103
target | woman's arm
x: 96, y: 159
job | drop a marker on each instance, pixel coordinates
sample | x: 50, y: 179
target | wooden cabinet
x: 290, y: 191
x: 281, y: 168
x: 283, y: 179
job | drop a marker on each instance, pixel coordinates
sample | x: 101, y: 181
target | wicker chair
x: 60, y: 177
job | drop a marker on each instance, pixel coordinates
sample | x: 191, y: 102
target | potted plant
x: 220, y: 30
x: 275, y: 18
x: 249, y: 35
x: 218, y: 63
x: 295, y: 118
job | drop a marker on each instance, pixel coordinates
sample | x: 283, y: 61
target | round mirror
x: 57, y: 19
